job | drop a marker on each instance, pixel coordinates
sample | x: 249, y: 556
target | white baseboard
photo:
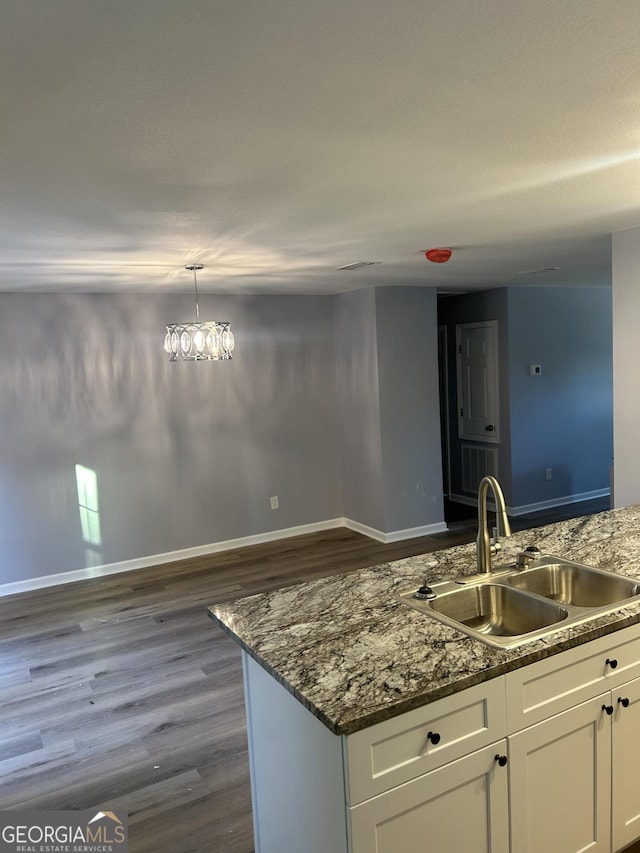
x: 469, y: 501
x: 169, y: 557
x: 395, y: 535
x: 213, y: 548
x: 567, y: 499
x: 525, y: 509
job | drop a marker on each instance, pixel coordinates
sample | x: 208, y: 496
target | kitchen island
x: 347, y: 689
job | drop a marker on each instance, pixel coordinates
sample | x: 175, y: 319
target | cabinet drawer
x: 397, y: 750
x: 557, y: 683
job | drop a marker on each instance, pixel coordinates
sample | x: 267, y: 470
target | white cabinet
x: 462, y: 806
x: 625, y: 780
x: 397, y: 750
x: 574, y: 778
x: 432, y: 779
x: 560, y: 771
x: 560, y: 682
x: 297, y: 788
x: 575, y: 775
x: 427, y: 781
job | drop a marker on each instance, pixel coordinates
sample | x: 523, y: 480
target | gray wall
x: 358, y: 404
x: 388, y: 400
x: 185, y: 454
x: 626, y: 319
x: 331, y: 403
x: 406, y: 325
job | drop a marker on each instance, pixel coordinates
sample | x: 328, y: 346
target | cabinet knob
x: 501, y: 759
x: 608, y: 709
x: 434, y: 737
x: 624, y: 702
x: 612, y: 662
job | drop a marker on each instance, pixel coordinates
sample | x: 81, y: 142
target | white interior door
x: 477, y: 356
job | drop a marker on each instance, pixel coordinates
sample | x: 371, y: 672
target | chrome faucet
x: 484, y: 545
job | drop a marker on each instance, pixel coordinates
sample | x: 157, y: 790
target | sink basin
x: 513, y: 605
x: 497, y: 610
x: 572, y: 583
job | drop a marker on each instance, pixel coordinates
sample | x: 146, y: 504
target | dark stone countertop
x: 347, y: 649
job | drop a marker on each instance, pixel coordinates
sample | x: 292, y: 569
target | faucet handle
x: 528, y: 556
x: 495, y: 541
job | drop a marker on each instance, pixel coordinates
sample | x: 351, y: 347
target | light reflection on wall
x: 87, y: 483
x: 98, y: 389
x: 77, y: 378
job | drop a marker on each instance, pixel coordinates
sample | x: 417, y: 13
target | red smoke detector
x: 438, y: 256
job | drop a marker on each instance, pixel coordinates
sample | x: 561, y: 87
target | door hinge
x: 461, y: 412
x: 460, y: 348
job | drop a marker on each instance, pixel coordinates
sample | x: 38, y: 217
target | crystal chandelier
x: 206, y: 341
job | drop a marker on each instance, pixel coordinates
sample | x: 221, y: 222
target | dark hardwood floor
x: 120, y: 692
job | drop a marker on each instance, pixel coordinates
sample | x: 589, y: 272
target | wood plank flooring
x: 120, y: 692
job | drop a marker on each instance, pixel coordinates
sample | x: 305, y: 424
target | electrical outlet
x: 275, y: 503
x: 548, y: 473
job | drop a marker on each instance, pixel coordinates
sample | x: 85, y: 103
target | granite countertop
x: 347, y: 649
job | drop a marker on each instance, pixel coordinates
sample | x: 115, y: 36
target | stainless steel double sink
x: 512, y: 605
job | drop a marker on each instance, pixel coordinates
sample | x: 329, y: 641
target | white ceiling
x: 275, y: 140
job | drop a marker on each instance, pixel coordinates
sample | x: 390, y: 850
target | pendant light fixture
x: 206, y: 341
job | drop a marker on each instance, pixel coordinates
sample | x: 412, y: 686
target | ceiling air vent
x: 536, y: 271
x: 357, y: 265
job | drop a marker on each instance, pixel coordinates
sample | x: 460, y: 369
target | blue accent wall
x: 563, y: 418
x: 474, y: 308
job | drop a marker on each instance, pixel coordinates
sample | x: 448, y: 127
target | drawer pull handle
x: 612, y: 662
x: 608, y: 709
x: 501, y: 759
x: 624, y: 702
x: 434, y: 737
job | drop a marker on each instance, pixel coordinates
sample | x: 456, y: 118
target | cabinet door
x: 626, y: 764
x: 462, y: 806
x: 560, y: 776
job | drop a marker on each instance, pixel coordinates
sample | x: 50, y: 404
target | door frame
x: 445, y: 422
